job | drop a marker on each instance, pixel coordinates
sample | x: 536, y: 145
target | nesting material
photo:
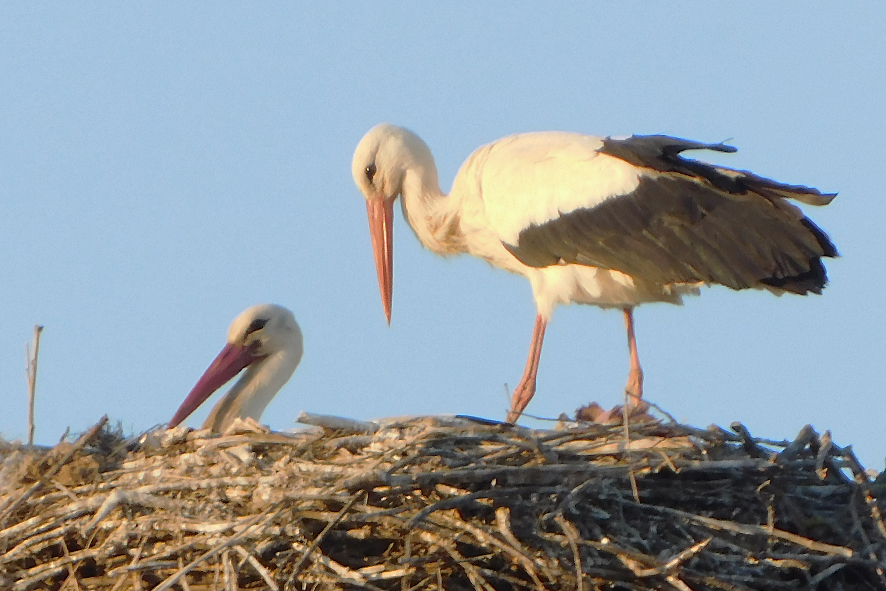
x: 440, y: 503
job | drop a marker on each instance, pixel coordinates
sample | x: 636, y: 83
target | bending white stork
x: 266, y: 341
x: 603, y: 221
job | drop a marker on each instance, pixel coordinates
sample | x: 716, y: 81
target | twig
x: 823, y: 455
x: 407, y: 554
x: 685, y: 555
x: 381, y: 572
x: 261, y: 570
x: 337, y: 423
x: 573, y: 537
x: 806, y: 435
x: 230, y: 573
x: 747, y: 442
x: 341, y: 572
x: 184, y: 580
x: 31, y: 373
x: 124, y: 574
x: 858, y: 472
x: 667, y: 415
x: 313, y: 545
x: 667, y: 460
x: 72, y: 572
x: 814, y: 581
x: 503, y: 523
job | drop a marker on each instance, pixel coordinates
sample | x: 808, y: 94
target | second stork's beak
x: 381, y: 231
x: 231, y: 360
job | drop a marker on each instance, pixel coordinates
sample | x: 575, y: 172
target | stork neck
x: 431, y: 213
x: 251, y: 394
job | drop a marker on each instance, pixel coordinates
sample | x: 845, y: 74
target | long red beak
x: 231, y: 360
x: 381, y: 230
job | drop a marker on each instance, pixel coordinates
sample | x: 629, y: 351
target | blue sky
x: 165, y: 165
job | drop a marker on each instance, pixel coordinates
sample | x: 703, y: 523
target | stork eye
x: 370, y: 172
x: 257, y: 324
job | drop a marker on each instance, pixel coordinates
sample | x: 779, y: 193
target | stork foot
x: 523, y: 393
x: 636, y: 409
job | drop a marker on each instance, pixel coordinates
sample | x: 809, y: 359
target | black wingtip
x: 812, y: 281
x: 828, y: 248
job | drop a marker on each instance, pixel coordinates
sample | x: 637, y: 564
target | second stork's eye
x: 370, y: 172
x: 257, y: 324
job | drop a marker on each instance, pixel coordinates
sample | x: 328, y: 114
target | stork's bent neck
x: 255, y: 389
x: 433, y: 215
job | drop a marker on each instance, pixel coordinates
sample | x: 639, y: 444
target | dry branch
x: 31, y: 374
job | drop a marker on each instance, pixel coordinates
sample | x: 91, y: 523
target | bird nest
x: 440, y: 503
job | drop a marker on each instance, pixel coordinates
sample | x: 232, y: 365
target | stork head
x: 257, y: 333
x: 384, y: 161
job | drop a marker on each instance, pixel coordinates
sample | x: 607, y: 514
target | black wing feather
x: 693, y: 222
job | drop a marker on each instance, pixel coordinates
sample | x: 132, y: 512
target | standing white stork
x: 266, y: 341
x: 603, y: 221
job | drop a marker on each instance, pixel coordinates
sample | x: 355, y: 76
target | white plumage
x: 602, y: 221
x: 565, y: 170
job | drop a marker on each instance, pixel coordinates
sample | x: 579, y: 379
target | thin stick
x: 261, y: 570
x: 572, y: 537
x: 626, y: 421
x: 31, y: 373
x: 313, y: 545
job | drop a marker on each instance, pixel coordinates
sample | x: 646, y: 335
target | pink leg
x: 526, y: 388
x: 634, y: 387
